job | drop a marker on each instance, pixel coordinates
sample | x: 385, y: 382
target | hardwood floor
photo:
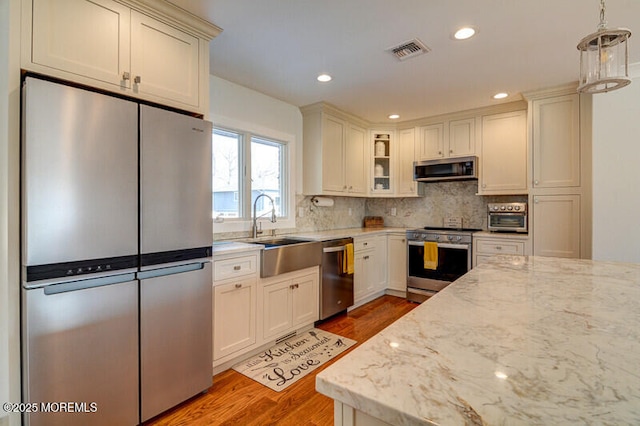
x: 237, y: 400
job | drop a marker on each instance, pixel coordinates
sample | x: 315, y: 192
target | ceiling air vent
x: 409, y: 49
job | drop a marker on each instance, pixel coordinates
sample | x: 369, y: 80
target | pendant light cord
x: 603, y: 23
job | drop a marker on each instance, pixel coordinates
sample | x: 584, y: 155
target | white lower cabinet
x: 370, y: 271
x: 556, y: 225
x: 234, y: 317
x: 489, y: 245
x: 289, y: 301
x: 250, y: 312
x: 397, y: 262
x: 235, y: 303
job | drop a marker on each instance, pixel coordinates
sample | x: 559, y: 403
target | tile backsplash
x: 440, y: 200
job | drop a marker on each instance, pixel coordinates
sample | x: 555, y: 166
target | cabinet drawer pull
x: 366, y: 257
x: 498, y: 247
x: 238, y: 285
x: 237, y: 268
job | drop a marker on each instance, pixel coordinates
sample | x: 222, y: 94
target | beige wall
x: 9, y: 209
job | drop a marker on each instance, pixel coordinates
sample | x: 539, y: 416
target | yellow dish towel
x: 430, y: 255
x: 347, y: 259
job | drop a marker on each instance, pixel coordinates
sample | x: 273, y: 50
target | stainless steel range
x: 449, y: 255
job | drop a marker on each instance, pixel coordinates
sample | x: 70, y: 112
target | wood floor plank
x: 234, y: 399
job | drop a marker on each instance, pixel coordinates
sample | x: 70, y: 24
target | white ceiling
x: 278, y: 47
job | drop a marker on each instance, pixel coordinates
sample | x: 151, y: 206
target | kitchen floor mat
x: 288, y: 361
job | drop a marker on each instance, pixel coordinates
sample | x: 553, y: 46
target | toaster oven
x: 507, y: 217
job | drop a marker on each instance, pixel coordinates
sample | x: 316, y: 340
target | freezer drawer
x: 175, y: 336
x: 82, y: 347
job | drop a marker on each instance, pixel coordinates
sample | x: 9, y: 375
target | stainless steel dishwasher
x: 336, y: 285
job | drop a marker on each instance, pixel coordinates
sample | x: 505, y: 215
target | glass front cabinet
x: 382, y: 150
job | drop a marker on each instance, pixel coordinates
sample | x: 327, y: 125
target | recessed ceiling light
x: 394, y: 116
x: 324, y: 78
x: 464, y: 33
x: 500, y: 95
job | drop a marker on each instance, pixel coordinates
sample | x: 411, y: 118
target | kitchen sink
x: 281, y: 255
x: 270, y: 243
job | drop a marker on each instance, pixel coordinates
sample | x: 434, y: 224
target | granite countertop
x: 241, y: 245
x: 234, y: 247
x: 345, y: 233
x: 518, y: 341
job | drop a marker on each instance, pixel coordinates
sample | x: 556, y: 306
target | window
x: 246, y: 166
x: 226, y: 177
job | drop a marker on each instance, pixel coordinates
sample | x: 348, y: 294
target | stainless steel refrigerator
x: 116, y: 246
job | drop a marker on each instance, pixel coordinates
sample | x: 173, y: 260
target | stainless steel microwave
x: 461, y: 168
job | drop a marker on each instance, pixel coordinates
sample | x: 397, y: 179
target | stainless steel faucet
x: 254, y: 228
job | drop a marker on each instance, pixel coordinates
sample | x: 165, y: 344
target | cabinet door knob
x: 126, y: 76
x: 366, y: 257
x: 439, y: 152
x: 536, y: 182
x: 238, y: 285
x: 484, y: 185
x: 450, y: 151
x: 137, y: 79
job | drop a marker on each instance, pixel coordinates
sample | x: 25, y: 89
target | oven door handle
x: 443, y: 245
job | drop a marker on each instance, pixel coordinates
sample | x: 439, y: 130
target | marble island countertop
x: 517, y: 341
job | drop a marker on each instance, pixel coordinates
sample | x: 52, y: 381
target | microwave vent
x: 409, y: 49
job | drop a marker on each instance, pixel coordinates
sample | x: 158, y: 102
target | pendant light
x: 604, y: 58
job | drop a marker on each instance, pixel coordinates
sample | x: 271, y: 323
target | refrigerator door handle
x: 88, y: 283
x: 171, y: 270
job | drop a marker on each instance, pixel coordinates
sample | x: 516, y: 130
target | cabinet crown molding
x: 335, y: 111
x: 567, y: 89
x: 175, y: 15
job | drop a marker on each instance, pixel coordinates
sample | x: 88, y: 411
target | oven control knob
x: 458, y: 238
x: 517, y: 208
x: 503, y: 207
x: 450, y: 237
x: 496, y: 208
x: 509, y: 207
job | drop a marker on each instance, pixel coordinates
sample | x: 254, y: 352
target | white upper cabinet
x: 335, y: 153
x: 454, y: 138
x: 87, y: 38
x: 431, y: 144
x: 556, y: 142
x: 503, y: 154
x: 355, y: 167
x: 164, y: 60
x: 121, y: 48
x: 462, y: 137
x: 406, y: 186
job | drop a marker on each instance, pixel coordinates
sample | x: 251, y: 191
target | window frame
x: 287, y: 174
